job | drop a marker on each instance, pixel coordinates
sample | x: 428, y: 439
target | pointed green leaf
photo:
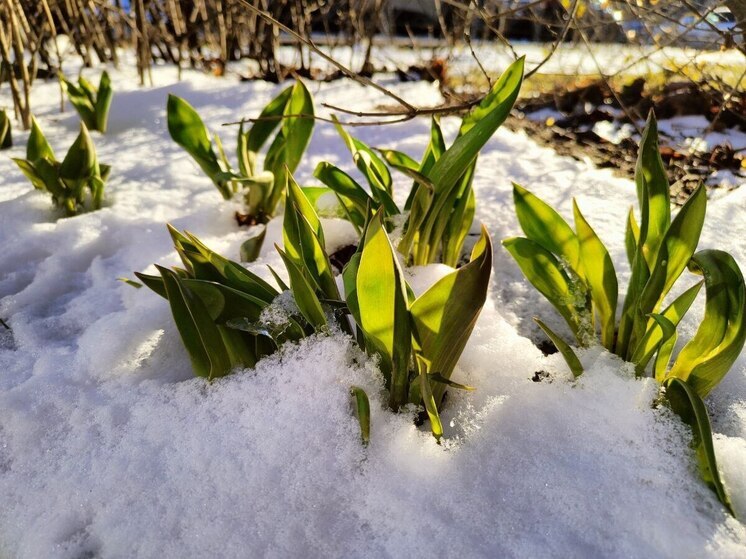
x: 687, y: 404
x: 428, y: 399
x: 382, y: 303
x: 303, y: 293
x: 362, y: 411
x: 542, y: 224
x: 444, y: 316
x: 576, y: 367
x: 545, y: 273
x: 599, y: 273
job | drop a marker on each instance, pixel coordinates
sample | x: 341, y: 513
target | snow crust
x: 110, y: 448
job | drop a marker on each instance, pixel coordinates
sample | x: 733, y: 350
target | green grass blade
x: 708, y: 356
x: 576, y: 367
x: 599, y: 273
x: 687, y: 404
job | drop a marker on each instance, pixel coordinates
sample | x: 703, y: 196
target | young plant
x: 77, y: 183
x: 440, y: 206
x: 573, y: 270
x: 290, y: 114
x: 417, y: 339
x: 218, y: 308
x: 205, y: 296
x: 91, y: 103
x: 6, y: 137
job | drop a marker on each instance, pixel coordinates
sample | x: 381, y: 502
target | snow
x: 110, y: 447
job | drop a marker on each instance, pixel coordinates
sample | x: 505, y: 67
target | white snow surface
x: 109, y: 447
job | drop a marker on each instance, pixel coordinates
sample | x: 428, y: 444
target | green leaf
x: 678, y: 245
x: 542, y: 224
x: 296, y: 129
x: 373, y: 169
x: 187, y: 129
x: 267, y: 122
x: 477, y: 128
x: 427, y: 397
x: 252, y: 246
x: 37, y: 146
x: 303, y: 238
x: 444, y: 316
x: 362, y: 411
x: 631, y: 237
x: 80, y: 161
x: 545, y: 273
x: 599, y: 273
x: 303, y: 293
x: 382, y: 303
x: 652, y: 184
x: 82, y: 98
x: 708, y: 356
x: 155, y: 283
x: 224, y: 303
x: 687, y: 404
x: 103, y: 102
x: 437, y: 377
x: 653, y: 334
x: 199, y: 334
x: 576, y: 367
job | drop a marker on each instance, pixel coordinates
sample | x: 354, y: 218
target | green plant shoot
x: 441, y: 203
x: 91, y: 103
x: 573, y: 270
x: 77, y: 182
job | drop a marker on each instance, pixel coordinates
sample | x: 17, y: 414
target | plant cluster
x: 290, y: 114
x: 6, y: 137
x: 440, y: 206
x: 574, y: 271
x: 91, y: 103
x: 218, y: 307
x: 77, y: 182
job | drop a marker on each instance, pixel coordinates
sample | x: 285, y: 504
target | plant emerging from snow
x: 574, y: 271
x: 77, y: 183
x: 440, y: 206
x: 290, y: 114
x: 92, y: 103
x: 224, y: 312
